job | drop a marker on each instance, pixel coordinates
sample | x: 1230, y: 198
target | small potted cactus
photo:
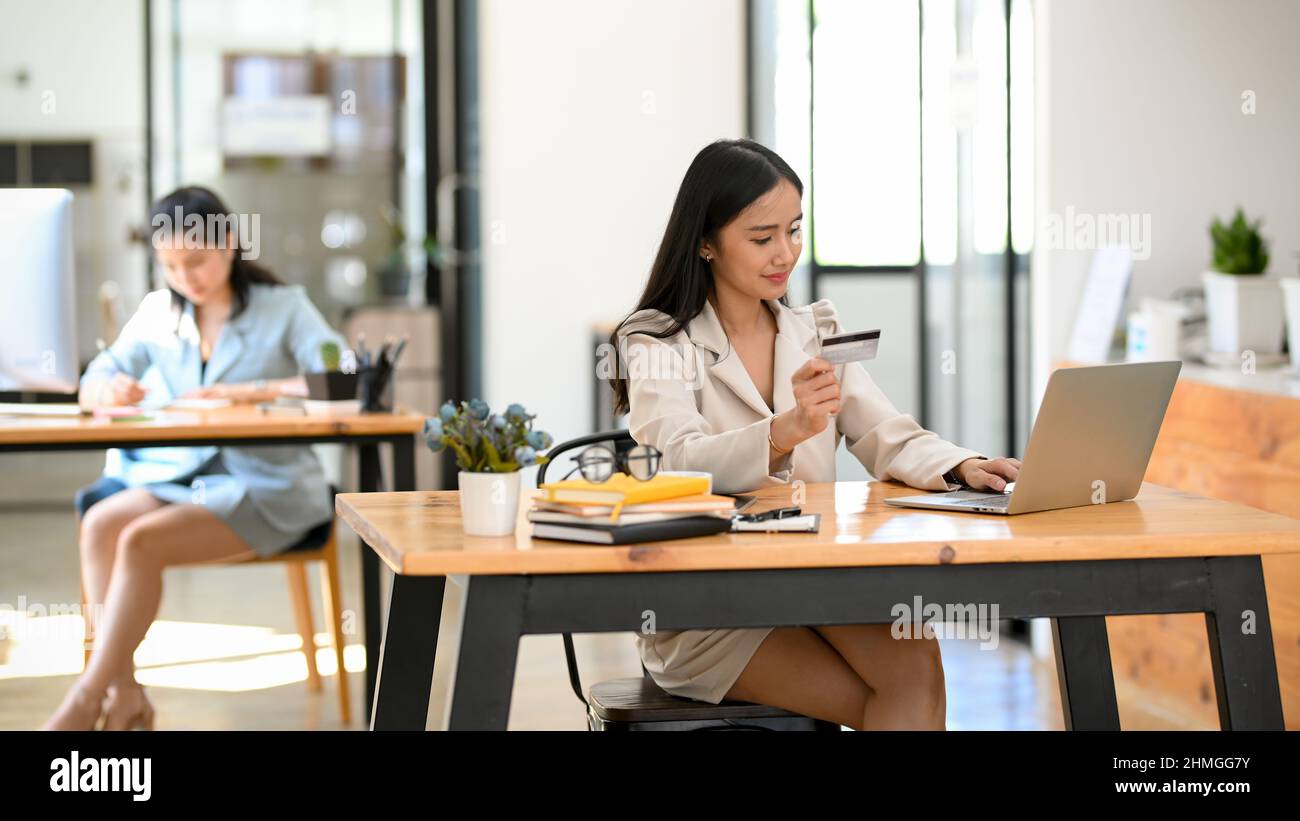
x: 333, y: 382
x: 1243, y: 307
x: 491, y: 449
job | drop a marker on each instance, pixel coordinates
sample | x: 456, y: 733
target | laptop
x: 1090, y: 444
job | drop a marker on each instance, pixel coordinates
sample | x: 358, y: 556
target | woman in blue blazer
x: 222, y: 328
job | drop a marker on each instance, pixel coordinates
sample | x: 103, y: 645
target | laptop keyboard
x: 1000, y: 500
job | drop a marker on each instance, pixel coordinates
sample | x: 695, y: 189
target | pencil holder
x: 331, y: 385
x: 374, y: 386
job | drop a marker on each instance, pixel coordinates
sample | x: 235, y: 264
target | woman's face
x: 196, y: 273
x: 755, y: 253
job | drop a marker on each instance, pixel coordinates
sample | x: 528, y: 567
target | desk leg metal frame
x: 1077, y: 596
x: 371, y: 481
x: 1241, y: 646
x: 404, y: 668
x: 1084, y: 674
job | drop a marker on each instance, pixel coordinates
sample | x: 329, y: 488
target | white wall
x: 591, y: 111
x: 1140, y: 111
x: 90, y: 58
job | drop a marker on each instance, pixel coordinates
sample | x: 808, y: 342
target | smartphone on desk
x: 743, y: 502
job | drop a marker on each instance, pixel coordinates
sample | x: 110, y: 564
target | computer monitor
x: 38, y: 307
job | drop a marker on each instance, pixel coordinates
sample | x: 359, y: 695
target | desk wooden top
x: 233, y: 422
x: 419, y: 533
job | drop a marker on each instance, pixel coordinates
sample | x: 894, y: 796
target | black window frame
x: 1015, y: 267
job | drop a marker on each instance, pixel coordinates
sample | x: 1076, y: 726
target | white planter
x: 1244, y: 313
x: 1291, y: 294
x: 489, y: 503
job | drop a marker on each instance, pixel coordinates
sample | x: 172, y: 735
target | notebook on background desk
x: 57, y: 409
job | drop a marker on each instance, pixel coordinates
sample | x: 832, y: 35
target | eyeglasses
x: 598, y: 463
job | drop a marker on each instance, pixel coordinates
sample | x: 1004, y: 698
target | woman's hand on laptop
x: 988, y: 474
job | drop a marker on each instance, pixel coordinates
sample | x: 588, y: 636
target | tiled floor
x: 224, y: 653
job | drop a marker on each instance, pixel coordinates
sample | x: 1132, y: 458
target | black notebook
x: 680, y: 528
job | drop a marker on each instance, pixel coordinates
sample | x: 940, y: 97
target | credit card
x: 850, y: 347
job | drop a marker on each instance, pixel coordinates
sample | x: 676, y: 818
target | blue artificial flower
x: 539, y: 439
x: 516, y: 413
x: 497, y: 422
x: 447, y: 411
x: 479, y: 409
x: 433, y: 433
x: 525, y: 456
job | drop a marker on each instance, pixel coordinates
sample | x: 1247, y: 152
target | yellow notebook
x: 622, y: 489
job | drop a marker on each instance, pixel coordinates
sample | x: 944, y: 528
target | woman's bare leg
x: 795, y: 669
x: 905, y: 676
x: 173, y: 535
x: 169, y: 536
x: 99, y: 531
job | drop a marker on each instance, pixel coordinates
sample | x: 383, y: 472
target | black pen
x: 779, y: 513
x: 392, y: 360
x: 362, y: 356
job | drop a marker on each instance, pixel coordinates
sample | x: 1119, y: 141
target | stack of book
x: 624, y: 510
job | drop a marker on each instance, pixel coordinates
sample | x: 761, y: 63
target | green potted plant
x: 394, y: 274
x: 1243, y: 307
x: 490, y: 449
x: 331, y: 383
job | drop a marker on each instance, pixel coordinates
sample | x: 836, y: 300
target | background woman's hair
x: 203, y: 203
x: 725, y: 178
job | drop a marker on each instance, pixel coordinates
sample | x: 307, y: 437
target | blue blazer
x: 278, y: 335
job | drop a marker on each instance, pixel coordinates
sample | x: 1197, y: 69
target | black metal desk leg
x: 1083, y: 670
x: 404, y: 463
x: 368, y: 455
x: 489, y: 648
x: 404, y: 667
x: 1241, y: 646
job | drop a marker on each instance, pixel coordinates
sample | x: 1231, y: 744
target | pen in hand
x: 107, y: 351
x: 125, y: 388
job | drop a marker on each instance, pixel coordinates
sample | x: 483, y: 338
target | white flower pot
x: 1244, y: 312
x: 1291, y: 294
x: 489, y: 503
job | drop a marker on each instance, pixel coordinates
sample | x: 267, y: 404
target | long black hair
x: 725, y: 178
x: 194, y: 201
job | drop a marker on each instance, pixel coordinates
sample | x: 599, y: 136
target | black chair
x: 639, y: 703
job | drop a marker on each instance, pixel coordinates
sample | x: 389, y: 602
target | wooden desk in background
x: 1166, y: 552
x: 244, y: 425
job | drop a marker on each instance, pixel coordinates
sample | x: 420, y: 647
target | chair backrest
x: 621, y: 439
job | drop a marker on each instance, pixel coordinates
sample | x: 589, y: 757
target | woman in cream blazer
x: 721, y: 375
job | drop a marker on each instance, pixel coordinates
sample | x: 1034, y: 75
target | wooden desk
x: 1166, y: 552
x: 1236, y: 437
x: 244, y: 425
